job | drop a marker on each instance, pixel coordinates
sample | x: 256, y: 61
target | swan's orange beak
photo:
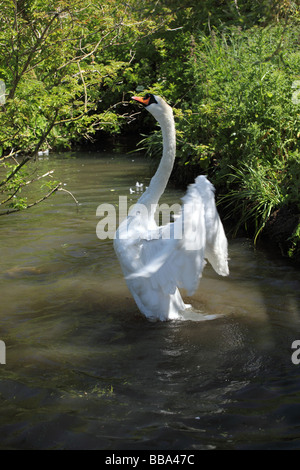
x: 144, y: 101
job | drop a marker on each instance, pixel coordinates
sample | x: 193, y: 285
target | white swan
x: 157, y: 261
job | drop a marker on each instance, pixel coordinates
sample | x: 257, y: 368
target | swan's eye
x: 148, y: 99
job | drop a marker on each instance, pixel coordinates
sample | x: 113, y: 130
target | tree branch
x: 15, y: 171
x: 10, y: 211
x: 69, y: 192
x: 32, y: 52
x: 49, y: 173
x: 84, y: 87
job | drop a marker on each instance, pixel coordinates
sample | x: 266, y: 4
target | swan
x: 159, y: 260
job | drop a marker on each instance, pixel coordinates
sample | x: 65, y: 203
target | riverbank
x: 279, y: 234
x: 282, y: 232
x: 231, y: 76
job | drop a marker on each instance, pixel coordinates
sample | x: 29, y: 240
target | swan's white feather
x: 158, y: 261
x: 159, y: 264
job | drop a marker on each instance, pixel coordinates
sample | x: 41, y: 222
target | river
x: 85, y: 370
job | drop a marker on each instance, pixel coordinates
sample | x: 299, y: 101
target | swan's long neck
x: 160, y: 179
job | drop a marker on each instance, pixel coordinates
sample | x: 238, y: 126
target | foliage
x: 253, y: 196
x: 256, y: 122
x: 238, y: 120
x: 58, y: 63
x: 229, y: 68
x: 294, y: 248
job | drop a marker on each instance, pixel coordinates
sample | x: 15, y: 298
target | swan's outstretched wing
x: 174, y: 255
x: 216, y: 247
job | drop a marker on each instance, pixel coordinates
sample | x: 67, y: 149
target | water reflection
x: 86, y: 370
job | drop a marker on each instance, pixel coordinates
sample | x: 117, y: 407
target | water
x: 84, y: 370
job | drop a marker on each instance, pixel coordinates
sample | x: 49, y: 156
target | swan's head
x: 155, y: 105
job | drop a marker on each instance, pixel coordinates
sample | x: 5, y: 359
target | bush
x: 239, y: 120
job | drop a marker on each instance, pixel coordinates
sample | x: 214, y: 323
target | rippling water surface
x: 84, y: 370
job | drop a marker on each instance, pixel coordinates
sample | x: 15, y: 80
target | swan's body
x: 156, y: 262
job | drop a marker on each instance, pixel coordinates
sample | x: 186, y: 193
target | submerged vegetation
x: 229, y: 68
